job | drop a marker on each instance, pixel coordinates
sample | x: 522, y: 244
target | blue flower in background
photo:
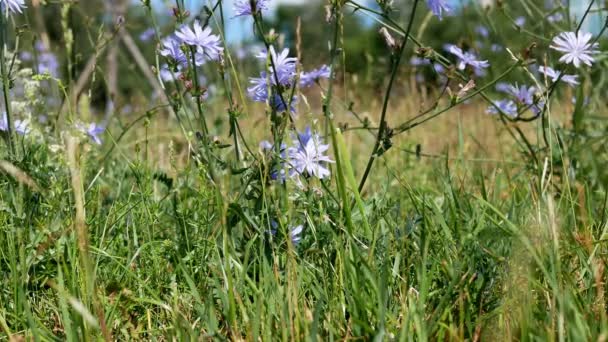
x: 467, y: 58
x: 307, y: 79
x: 555, y: 17
x: 21, y: 127
x: 147, y: 35
x: 507, y: 107
x: 93, y: 131
x: 554, y: 75
x: 482, y: 31
x: 438, y: 7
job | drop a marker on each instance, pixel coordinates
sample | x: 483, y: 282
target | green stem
x: 5, y: 82
x: 387, y: 96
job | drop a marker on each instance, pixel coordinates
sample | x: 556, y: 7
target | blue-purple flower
x: 280, y: 74
x: 15, y: 6
x: 284, y: 65
x: 482, y: 31
x: 48, y: 63
x: 507, y: 107
x: 438, y: 7
x: 258, y: 90
x: 295, y: 234
x: 577, y: 48
x: 555, y: 17
x: 554, y: 75
x: 280, y: 104
x: 244, y: 8
x: 147, y: 34
x: 520, y: 21
x: 169, y: 75
x: 20, y: 126
x: 524, y: 97
x: 467, y: 58
x: 307, y: 79
x: 171, y: 48
x: 92, y: 130
x: 205, y: 42
x: 307, y: 156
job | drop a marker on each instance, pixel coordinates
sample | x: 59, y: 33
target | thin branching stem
x: 382, y: 131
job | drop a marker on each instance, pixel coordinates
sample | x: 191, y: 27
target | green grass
x: 162, y: 233
x: 447, y: 251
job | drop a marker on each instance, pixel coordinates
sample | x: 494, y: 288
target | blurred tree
x: 362, y: 43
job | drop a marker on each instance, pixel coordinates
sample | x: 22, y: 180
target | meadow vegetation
x: 434, y: 172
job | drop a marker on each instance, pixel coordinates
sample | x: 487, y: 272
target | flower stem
x: 5, y: 82
x: 387, y: 96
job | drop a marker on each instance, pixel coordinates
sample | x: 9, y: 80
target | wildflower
x: 585, y: 101
x: 21, y: 127
x: 3, y: 123
x: 284, y: 66
x: 295, y: 234
x: 279, y: 169
x: 576, y: 47
x: 307, y: 156
x: 169, y: 75
x: 524, y: 96
x: 417, y: 61
x: 280, y: 104
x: 507, y: 107
x: 496, y: 48
x: 48, y: 63
x: 308, y: 78
x: 93, y: 131
x: 554, y: 75
x: 258, y: 91
x: 244, y: 8
x: 440, y: 69
x: 467, y: 58
x: 147, y: 34
x: 520, y: 21
x: 265, y: 145
x: 438, y: 7
x: 503, y: 87
x: 555, y: 17
x: 206, y: 43
x: 171, y: 48
x: 15, y: 6
x: 482, y: 31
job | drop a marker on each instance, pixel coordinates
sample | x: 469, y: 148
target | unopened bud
x: 390, y: 41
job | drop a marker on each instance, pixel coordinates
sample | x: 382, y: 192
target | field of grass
x: 469, y: 226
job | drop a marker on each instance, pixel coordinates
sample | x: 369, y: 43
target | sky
x: 241, y: 28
